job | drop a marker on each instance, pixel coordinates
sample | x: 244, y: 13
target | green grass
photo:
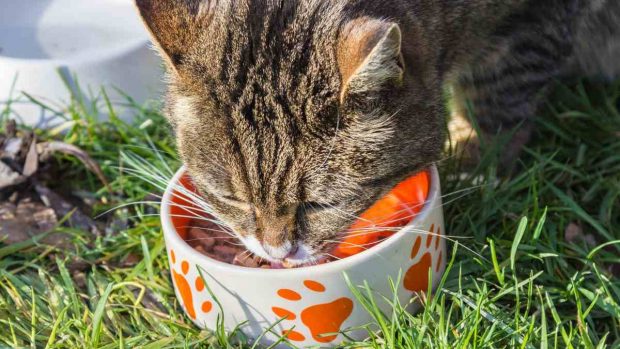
x: 526, y: 287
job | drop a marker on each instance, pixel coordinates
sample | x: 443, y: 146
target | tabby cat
x: 294, y: 116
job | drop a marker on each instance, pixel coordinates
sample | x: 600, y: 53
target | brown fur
x: 293, y: 116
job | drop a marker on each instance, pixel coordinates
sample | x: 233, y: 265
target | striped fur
x: 293, y: 116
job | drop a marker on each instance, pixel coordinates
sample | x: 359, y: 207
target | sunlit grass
x: 528, y: 287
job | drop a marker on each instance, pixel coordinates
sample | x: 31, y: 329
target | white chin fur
x: 279, y: 252
x: 254, y: 246
x: 304, y: 255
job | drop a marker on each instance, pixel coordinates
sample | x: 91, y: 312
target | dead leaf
x: 130, y: 260
x: 11, y: 148
x: 573, y: 233
x: 8, y: 177
x: 46, y: 149
x: 31, y: 165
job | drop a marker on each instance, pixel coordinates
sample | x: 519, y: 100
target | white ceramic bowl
x: 316, y: 299
x: 101, y: 42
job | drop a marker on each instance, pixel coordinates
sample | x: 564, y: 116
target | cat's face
x: 291, y: 124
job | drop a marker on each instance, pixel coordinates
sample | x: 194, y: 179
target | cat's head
x: 293, y: 117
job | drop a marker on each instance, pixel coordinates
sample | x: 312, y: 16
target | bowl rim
x: 174, y: 241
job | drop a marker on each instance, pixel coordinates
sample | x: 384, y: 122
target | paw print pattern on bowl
x: 323, y: 321
x: 427, y: 254
x: 184, y: 287
x: 251, y: 297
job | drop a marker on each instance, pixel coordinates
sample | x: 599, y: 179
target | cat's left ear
x: 369, y: 56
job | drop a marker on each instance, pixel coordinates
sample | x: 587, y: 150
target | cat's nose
x: 281, y: 251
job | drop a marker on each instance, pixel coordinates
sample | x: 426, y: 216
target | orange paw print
x: 423, y: 252
x: 185, y: 289
x: 323, y: 321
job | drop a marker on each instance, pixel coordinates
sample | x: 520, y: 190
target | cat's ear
x: 369, y: 56
x: 173, y: 25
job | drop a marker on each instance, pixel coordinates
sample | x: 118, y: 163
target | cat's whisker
x: 215, y: 238
x: 228, y: 242
x: 413, y: 215
x: 346, y: 214
x: 330, y: 256
x: 145, y: 167
x: 142, y: 147
x: 147, y: 172
x: 360, y: 193
x: 128, y: 204
x: 195, y: 207
x: 177, y: 216
x: 220, y: 166
x: 190, y: 209
x: 199, y: 207
x: 180, y: 191
x: 365, y: 246
x: 362, y: 232
x: 223, y: 230
x: 427, y: 233
x: 348, y: 243
x: 199, y: 218
x: 159, y: 156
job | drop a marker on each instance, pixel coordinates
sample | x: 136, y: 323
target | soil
x: 28, y: 206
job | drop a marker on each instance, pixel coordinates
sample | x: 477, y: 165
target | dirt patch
x: 28, y: 205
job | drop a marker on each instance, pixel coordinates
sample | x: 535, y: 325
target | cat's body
x: 294, y: 116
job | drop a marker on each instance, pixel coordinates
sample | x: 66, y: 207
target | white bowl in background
x: 317, y: 299
x: 101, y: 42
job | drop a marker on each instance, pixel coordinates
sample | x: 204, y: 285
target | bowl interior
x: 62, y: 29
x: 183, y: 209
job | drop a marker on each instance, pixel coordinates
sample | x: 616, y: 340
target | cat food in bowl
x: 216, y: 278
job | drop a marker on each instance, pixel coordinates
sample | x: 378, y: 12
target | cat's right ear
x: 173, y: 25
x: 369, y: 56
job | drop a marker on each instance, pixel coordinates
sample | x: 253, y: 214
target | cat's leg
x: 504, y: 88
x: 502, y: 105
